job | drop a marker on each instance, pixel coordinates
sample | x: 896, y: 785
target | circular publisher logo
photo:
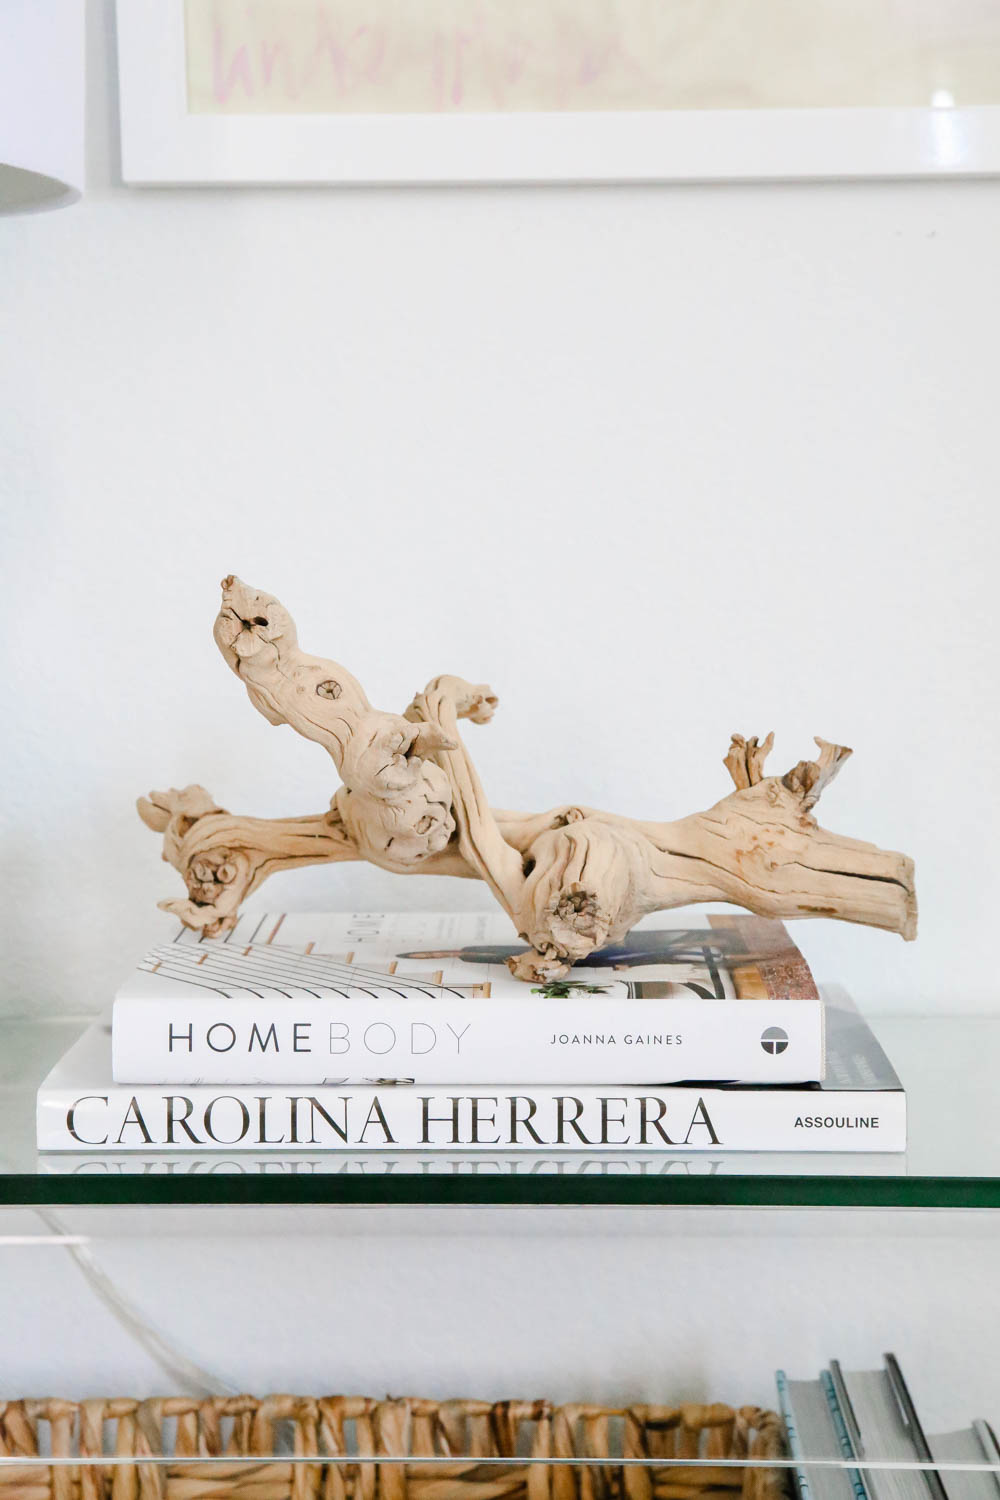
x: 774, y: 1040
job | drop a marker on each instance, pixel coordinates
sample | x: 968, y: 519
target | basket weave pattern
x: 250, y: 1432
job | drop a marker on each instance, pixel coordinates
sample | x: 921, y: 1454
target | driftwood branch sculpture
x: 572, y: 879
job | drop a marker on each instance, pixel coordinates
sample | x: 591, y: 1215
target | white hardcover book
x: 80, y: 1108
x: 304, y: 999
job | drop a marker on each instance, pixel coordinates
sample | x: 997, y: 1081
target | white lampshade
x: 41, y: 103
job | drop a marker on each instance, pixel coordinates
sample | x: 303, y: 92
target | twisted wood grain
x: 572, y: 879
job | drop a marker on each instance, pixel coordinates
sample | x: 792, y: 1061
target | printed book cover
x: 312, y: 998
x: 714, y: 956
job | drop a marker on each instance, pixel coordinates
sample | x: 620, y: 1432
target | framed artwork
x: 366, y: 91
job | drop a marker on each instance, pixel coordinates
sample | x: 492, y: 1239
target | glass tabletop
x: 948, y: 1067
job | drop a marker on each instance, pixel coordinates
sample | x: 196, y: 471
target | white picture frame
x: 162, y: 143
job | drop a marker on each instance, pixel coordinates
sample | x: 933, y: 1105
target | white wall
x: 577, y: 1305
x: 658, y: 463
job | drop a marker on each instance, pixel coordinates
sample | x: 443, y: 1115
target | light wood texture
x: 571, y: 880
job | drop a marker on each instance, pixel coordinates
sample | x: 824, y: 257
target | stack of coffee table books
x: 361, y: 1032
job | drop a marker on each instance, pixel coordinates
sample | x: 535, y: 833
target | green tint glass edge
x: 26, y: 1190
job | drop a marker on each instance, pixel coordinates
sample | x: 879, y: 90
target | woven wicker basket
x: 250, y: 1432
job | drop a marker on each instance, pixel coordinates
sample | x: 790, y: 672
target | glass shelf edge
x: 28, y: 1190
x: 131, y: 1460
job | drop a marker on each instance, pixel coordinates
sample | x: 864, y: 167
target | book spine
x: 792, y: 1433
x: 843, y: 1438
x: 502, y: 1117
x: 536, y: 1039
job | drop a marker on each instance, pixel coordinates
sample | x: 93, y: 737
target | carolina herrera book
x: 311, y: 999
x: 860, y: 1106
